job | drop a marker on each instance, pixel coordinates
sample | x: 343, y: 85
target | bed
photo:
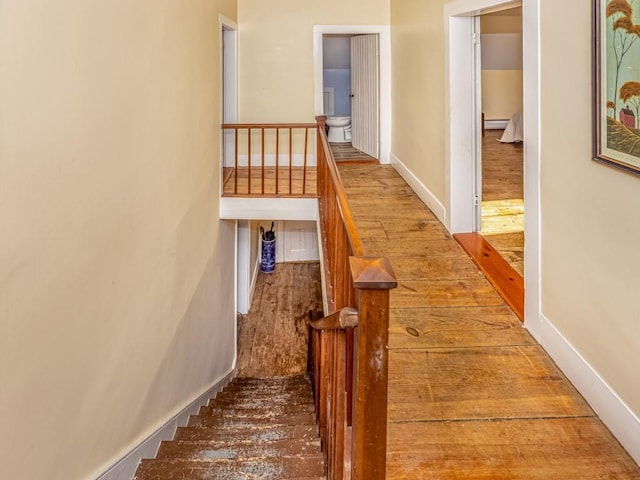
x: 513, y: 133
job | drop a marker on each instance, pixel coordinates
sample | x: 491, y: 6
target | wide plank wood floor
x: 294, y: 182
x: 272, y: 337
x: 471, y: 393
x: 503, y: 198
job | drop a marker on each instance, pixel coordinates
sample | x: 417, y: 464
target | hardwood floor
x: 272, y: 338
x: 471, y: 393
x: 505, y: 279
x: 344, y: 152
x: 503, y: 198
x: 290, y: 184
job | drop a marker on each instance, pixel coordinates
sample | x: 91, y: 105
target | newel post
x: 372, y: 278
x: 322, y: 121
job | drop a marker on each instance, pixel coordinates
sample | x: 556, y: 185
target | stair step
x: 268, y: 468
x: 251, y: 434
x: 253, y: 401
x: 203, y: 450
x: 223, y: 420
x: 265, y: 390
x: 297, y: 380
x: 264, y: 409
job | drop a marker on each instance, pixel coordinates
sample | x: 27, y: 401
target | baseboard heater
x: 496, y: 124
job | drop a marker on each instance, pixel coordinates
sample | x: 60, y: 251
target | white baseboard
x: 254, y: 277
x: 270, y: 160
x: 125, y: 468
x: 495, y: 124
x: 611, y: 409
x: 429, y: 199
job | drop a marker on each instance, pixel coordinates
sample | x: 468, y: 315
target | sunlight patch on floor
x: 503, y: 216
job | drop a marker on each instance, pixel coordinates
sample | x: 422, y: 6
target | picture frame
x: 616, y: 84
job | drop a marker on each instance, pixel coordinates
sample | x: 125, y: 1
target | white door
x: 300, y: 241
x: 477, y: 108
x: 365, y: 94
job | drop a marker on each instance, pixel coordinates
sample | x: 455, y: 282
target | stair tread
x: 268, y: 410
x: 267, y: 468
x: 257, y: 402
x: 255, y: 434
x: 203, y: 450
x: 223, y: 420
x: 253, y: 429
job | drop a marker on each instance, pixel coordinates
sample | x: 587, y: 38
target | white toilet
x: 339, y: 128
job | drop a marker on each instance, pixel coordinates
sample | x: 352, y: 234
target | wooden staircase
x: 254, y: 429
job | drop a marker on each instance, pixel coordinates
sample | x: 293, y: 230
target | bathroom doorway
x: 339, y: 74
x: 350, y: 74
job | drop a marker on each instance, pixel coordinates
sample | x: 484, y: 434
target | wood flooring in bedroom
x: 503, y: 198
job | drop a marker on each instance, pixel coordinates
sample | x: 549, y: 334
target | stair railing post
x: 372, y: 278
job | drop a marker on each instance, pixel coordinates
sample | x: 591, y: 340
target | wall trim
x: 125, y: 468
x: 254, y: 276
x: 242, y: 208
x: 495, y: 124
x: 611, y: 409
x: 429, y: 199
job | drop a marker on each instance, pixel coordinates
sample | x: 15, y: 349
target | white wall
x: 116, y: 278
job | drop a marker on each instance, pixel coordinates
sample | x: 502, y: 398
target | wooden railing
x: 269, y: 159
x: 348, y: 352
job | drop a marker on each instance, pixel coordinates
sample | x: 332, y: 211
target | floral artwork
x: 617, y: 83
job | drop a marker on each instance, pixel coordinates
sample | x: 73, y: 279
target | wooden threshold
x: 507, y: 281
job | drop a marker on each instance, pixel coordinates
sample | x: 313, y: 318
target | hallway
x: 471, y: 394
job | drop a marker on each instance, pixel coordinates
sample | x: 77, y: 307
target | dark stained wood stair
x: 253, y: 429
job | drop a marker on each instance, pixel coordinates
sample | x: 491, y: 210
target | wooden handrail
x: 348, y: 349
x: 344, y: 318
x: 244, y: 126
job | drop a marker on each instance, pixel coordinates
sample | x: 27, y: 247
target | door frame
x: 462, y: 125
x: 228, y: 85
x: 384, y: 35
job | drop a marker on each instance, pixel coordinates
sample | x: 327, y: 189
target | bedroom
x: 502, y: 210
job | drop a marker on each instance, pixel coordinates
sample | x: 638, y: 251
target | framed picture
x: 616, y: 70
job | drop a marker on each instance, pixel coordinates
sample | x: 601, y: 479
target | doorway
x: 501, y: 159
x: 464, y: 127
x: 350, y: 74
x: 383, y: 65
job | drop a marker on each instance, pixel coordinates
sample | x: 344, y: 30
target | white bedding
x: 513, y: 133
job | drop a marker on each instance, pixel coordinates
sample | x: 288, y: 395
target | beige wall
x: 590, y: 215
x: 590, y: 220
x: 417, y: 54
x: 509, y: 21
x: 501, y: 89
x: 501, y: 93
x: 116, y: 283
x: 276, y: 52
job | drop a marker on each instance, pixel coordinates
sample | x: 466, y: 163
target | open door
x: 365, y: 94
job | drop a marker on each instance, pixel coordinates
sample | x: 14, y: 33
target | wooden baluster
x: 372, y: 279
x: 290, y: 157
x: 277, y: 157
x: 304, y: 168
x: 262, y: 139
x: 235, y: 146
x: 340, y: 420
x: 249, y: 161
